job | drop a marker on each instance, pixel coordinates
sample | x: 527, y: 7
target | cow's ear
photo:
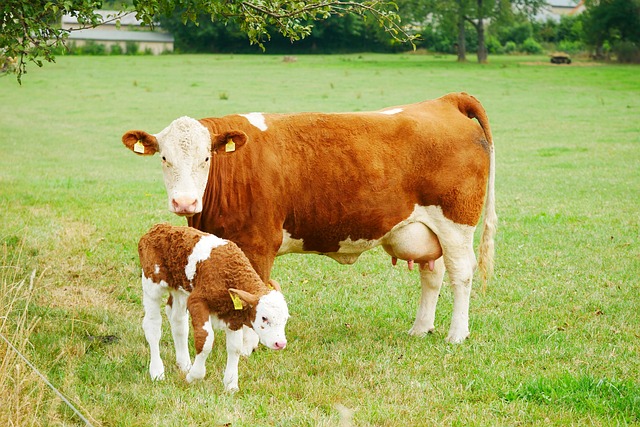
x: 242, y: 299
x: 228, y: 142
x: 140, y: 142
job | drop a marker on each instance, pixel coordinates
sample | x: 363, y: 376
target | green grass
x: 554, y: 340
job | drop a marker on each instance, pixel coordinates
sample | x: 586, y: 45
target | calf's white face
x: 272, y: 314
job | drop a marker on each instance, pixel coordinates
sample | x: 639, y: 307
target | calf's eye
x: 265, y: 320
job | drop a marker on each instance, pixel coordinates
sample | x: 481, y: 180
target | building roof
x: 109, y: 35
x: 109, y: 17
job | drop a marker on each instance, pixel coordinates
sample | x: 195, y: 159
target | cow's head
x: 185, y: 148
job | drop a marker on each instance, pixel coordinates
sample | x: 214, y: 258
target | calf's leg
x: 234, y: 349
x: 179, y: 320
x: 203, y: 337
x: 250, y: 341
x: 152, y: 296
x: 431, y: 282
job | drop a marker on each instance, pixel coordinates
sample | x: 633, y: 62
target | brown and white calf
x: 411, y: 178
x: 213, y: 280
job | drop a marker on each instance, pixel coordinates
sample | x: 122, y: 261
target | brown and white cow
x: 412, y: 178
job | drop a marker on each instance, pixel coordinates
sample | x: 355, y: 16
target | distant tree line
x: 607, y: 27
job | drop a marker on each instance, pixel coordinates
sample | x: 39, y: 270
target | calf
x: 212, y: 279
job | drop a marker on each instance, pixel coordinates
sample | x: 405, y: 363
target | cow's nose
x: 184, y: 205
x: 279, y: 345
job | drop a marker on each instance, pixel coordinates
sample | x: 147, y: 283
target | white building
x: 109, y: 33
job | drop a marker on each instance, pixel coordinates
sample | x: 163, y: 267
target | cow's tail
x: 487, y: 246
x: 472, y: 108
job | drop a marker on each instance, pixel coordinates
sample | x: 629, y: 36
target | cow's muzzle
x: 184, y: 206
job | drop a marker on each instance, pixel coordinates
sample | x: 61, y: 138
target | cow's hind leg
x: 431, y: 282
x: 460, y: 262
x: 153, y: 295
x: 179, y: 319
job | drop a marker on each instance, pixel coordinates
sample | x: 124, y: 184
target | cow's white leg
x: 431, y: 282
x: 234, y: 349
x: 250, y: 341
x: 179, y: 320
x: 204, y: 342
x: 460, y: 262
x: 153, y: 295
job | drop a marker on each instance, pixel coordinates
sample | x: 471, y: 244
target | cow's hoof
x: 457, y: 338
x: 420, y: 331
x: 157, y: 376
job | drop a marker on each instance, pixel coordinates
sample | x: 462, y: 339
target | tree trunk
x: 482, y: 47
x: 462, y: 47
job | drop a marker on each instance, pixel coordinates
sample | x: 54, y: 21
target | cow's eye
x: 206, y: 160
x: 164, y: 159
x: 265, y: 320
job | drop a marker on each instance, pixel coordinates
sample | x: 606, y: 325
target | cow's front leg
x: 431, y: 282
x: 234, y: 349
x: 203, y: 337
x: 179, y: 320
x: 153, y: 295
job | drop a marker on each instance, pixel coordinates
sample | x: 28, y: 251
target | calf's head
x: 271, y: 316
x: 185, y: 148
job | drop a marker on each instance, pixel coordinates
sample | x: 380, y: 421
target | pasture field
x: 555, y: 338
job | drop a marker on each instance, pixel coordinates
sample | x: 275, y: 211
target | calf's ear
x: 228, y: 142
x: 244, y: 297
x: 275, y: 285
x: 140, y: 142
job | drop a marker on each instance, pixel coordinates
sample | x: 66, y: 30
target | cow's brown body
x: 328, y: 177
x: 339, y: 184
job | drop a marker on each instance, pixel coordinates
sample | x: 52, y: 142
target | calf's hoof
x: 195, y: 375
x: 156, y: 372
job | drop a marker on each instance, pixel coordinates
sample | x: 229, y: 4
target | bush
x: 570, y: 47
x: 531, y: 46
x: 510, y: 47
x: 627, y: 52
x: 494, y: 46
x: 92, y: 48
x: 116, y: 49
x: 132, y: 48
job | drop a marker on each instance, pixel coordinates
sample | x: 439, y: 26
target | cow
x: 213, y: 280
x: 411, y: 178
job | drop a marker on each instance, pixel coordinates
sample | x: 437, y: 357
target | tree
x: 614, y: 22
x: 477, y: 13
x: 30, y: 30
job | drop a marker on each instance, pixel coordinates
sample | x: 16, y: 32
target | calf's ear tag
x: 138, y: 147
x: 237, y: 302
x: 230, y: 146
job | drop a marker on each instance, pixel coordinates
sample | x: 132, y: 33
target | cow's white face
x: 271, y: 318
x: 185, y: 148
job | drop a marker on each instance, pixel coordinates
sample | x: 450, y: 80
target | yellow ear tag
x: 138, y: 147
x: 230, y: 146
x: 237, y: 302
x: 270, y: 286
